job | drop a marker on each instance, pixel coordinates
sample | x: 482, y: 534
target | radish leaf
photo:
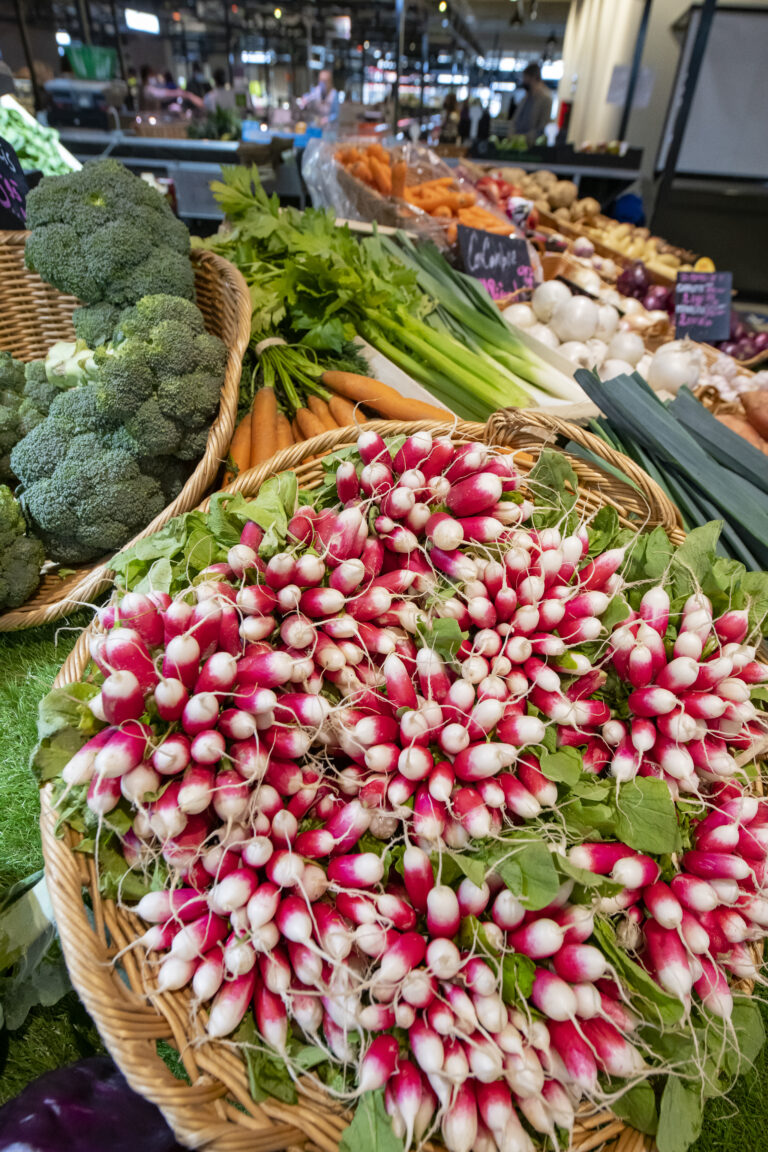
x: 680, y: 1116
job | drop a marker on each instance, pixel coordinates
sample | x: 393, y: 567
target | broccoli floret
x: 37, y: 387
x: 11, y: 374
x: 95, y: 500
x: 77, y: 411
x: 29, y: 416
x: 152, y: 431
x: 21, y: 556
x: 140, y: 320
x: 193, y: 444
x: 96, y: 323
x: 37, y: 455
x: 125, y: 379
x: 102, y: 234
x: 192, y: 407
x: 170, y: 473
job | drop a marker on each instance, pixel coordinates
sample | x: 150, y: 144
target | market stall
x: 408, y: 788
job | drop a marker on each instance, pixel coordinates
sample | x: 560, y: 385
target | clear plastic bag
x: 332, y: 185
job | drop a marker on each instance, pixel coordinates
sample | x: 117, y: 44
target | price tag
x: 703, y: 305
x: 502, y: 264
x: 13, y: 190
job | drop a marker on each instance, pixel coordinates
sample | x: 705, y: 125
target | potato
x: 755, y: 404
x: 544, y: 177
x: 563, y: 193
x: 513, y: 175
x: 542, y: 205
x: 563, y: 214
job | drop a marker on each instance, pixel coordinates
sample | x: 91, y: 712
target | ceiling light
x: 63, y: 39
x: 442, y: 6
x: 142, y: 21
x: 278, y: 13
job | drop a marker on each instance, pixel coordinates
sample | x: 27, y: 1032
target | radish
x: 669, y: 959
x: 378, y: 1063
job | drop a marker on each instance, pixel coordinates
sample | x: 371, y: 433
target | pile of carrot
x: 441, y: 198
x: 265, y: 429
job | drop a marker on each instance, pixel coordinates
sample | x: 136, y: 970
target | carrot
x: 309, y: 424
x: 297, y: 435
x: 442, y: 211
x: 381, y: 398
x: 399, y: 169
x: 345, y: 413
x: 284, y: 438
x: 381, y: 175
x: 361, y: 170
x: 240, y: 449
x: 263, y: 426
x: 320, y: 409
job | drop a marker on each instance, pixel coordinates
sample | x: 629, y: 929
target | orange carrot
x: 297, y: 434
x: 320, y: 409
x: 309, y: 424
x: 345, y: 412
x: 284, y: 437
x: 240, y: 449
x: 263, y: 426
x: 399, y: 169
x: 381, y: 398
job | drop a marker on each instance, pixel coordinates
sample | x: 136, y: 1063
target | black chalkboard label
x: 502, y: 264
x: 13, y: 190
x: 703, y: 305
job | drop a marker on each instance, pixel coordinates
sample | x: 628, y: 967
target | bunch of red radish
x: 283, y: 709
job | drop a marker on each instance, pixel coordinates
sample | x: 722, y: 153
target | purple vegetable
x: 761, y: 341
x: 747, y: 348
x: 729, y: 348
x: 738, y: 327
x: 657, y: 297
x: 634, y: 281
x: 87, y: 1107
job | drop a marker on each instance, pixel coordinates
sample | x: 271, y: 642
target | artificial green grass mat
x: 59, y: 1035
x: 29, y: 662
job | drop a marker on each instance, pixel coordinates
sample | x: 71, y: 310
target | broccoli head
x: 21, y: 556
x: 18, y: 413
x: 102, y: 234
x: 95, y: 324
x: 95, y: 500
x: 162, y: 377
x: 170, y: 473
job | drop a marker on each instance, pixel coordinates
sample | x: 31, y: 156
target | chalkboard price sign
x: 502, y: 264
x: 703, y: 305
x: 13, y: 189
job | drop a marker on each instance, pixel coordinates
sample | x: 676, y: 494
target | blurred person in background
x: 465, y: 122
x: 222, y: 95
x: 535, y: 111
x: 321, y: 103
x: 449, y: 129
x: 198, y: 85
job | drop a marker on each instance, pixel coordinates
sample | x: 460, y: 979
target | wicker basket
x: 33, y: 316
x: 215, y: 1111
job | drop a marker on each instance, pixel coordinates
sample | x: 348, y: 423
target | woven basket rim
x: 93, y: 579
x: 132, y: 1019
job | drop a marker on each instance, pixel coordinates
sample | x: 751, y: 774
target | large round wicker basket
x: 214, y: 1111
x: 33, y: 316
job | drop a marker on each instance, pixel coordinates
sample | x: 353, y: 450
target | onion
x: 761, y: 341
x: 576, y: 319
x: 587, y: 279
x: 613, y: 368
x: 545, y: 335
x: 607, y: 322
x: 583, y: 247
x: 578, y: 354
x: 629, y: 306
x: 672, y: 370
x: 644, y: 364
x: 626, y: 346
x: 609, y: 269
x: 547, y: 299
x: 521, y: 315
x: 612, y: 297
x: 598, y: 348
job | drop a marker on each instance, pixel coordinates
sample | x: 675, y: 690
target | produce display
x: 316, y: 287
x: 705, y: 464
x: 441, y: 198
x: 37, y: 147
x: 744, y: 342
x: 433, y: 789
x: 548, y: 193
x: 100, y: 436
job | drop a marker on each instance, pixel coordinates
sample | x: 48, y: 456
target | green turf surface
x: 58, y: 1035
